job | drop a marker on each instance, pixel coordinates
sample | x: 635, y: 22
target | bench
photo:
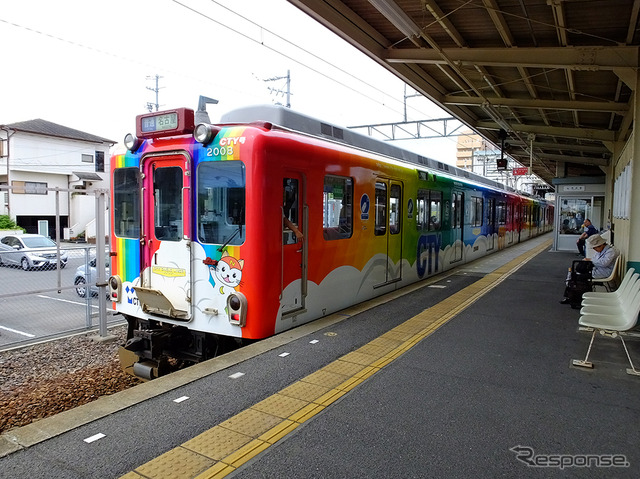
x: 594, y: 298
x: 612, y: 319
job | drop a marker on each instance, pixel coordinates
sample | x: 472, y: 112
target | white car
x: 30, y: 251
x: 88, y: 274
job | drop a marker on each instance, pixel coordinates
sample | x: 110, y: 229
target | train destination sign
x: 177, y: 122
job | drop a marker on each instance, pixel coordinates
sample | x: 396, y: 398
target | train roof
x: 292, y: 120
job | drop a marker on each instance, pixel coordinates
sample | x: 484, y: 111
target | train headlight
x: 237, y: 308
x: 115, y: 288
x: 205, y: 133
x: 131, y: 142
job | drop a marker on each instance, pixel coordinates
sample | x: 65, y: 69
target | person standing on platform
x: 589, y: 230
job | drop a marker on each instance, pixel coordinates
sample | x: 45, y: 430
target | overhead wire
x: 298, y: 47
x: 260, y: 42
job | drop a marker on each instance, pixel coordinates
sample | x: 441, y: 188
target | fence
x: 39, y: 302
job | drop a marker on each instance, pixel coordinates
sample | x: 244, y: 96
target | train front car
x: 179, y: 240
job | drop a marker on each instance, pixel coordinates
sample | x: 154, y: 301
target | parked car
x: 87, y: 274
x: 30, y: 251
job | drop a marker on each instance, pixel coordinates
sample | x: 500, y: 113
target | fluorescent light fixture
x: 396, y: 15
x: 495, y: 116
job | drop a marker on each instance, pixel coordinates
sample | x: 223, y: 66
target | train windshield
x: 126, y: 202
x: 221, y: 202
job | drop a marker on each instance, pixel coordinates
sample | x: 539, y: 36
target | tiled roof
x: 44, y: 127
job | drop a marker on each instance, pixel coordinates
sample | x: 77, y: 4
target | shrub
x: 7, y: 223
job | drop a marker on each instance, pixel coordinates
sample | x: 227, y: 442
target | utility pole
x: 405, y: 101
x: 155, y: 90
x: 277, y: 91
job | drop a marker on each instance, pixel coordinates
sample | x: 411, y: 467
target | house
x: 46, y: 168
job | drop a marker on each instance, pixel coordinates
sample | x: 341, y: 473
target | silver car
x: 87, y: 273
x: 30, y: 251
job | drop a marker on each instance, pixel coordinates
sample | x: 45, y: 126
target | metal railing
x: 69, y: 295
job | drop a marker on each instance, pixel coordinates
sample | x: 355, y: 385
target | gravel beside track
x: 42, y: 380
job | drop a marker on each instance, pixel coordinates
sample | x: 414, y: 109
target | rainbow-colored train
x: 271, y: 219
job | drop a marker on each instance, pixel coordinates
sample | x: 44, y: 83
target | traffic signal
x: 502, y: 161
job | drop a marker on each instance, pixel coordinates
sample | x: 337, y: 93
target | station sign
x: 520, y: 171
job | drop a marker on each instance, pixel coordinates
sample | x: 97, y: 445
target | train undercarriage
x: 154, y: 348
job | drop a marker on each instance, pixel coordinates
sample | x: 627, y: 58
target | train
x: 269, y: 219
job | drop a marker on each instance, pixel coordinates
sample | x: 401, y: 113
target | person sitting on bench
x: 603, y: 262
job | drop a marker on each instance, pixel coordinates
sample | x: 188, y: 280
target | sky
x: 92, y: 65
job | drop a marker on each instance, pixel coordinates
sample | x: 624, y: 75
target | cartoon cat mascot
x: 226, y: 273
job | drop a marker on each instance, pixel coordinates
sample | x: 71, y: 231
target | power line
x: 263, y: 44
x: 260, y: 42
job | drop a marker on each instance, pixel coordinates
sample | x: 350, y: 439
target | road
x: 38, y: 304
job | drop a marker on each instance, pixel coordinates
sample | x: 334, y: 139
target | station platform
x: 467, y: 374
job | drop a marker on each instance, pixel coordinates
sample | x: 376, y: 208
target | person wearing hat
x: 589, y: 230
x: 604, y: 258
x: 603, y: 262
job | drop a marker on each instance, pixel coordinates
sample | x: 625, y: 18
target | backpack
x: 580, y: 282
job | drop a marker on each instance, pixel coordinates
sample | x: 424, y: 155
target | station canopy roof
x: 556, y: 75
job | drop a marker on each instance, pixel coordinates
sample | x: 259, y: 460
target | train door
x: 294, y: 244
x: 165, y: 246
x: 388, y: 223
x: 457, y: 215
x: 491, y: 223
x: 511, y: 222
x: 526, y: 222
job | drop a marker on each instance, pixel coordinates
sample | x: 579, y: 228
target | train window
x: 126, y: 202
x: 337, y: 200
x: 290, y: 210
x: 502, y: 213
x: 490, y: 212
x: 221, y: 202
x: 395, y: 210
x: 429, y: 214
x: 476, y: 211
x: 456, y: 210
x: 422, y: 213
x: 167, y: 194
x: 381, y: 209
x: 435, y: 210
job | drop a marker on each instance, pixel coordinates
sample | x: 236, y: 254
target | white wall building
x: 38, y: 156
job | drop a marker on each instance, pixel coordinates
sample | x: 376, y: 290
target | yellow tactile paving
x: 132, y: 475
x: 178, y: 463
x: 276, y: 433
x: 343, y: 367
x: 374, y: 350
x: 330, y: 397
x: 397, y: 335
x: 221, y: 450
x: 251, y: 422
x: 359, y: 358
x: 217, y: 443
x: 305, y: 391
x: 325, y: 378
x: 280, y: 405
x: 306, y: 413
x: 218, y: 471
x: 246, y: 453
x: 385, y: 342
x: 366, y: 372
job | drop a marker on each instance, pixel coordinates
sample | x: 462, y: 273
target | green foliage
x: 7, y: 223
